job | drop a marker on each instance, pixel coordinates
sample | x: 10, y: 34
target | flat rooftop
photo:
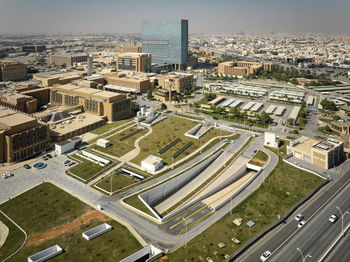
x: 10, y: 118
x: 70, y: 55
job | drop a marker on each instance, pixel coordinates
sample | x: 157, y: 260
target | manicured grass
x: 165, y: 132
x: 119, y: 148
x: 327, y: 130
x: 281, y: 190
x: 86, y: 169
x: 109, y: 126
x: 260, y: 155
x: 119, y: 181
x: 45, y: 207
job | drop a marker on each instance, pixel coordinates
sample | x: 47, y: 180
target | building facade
x: 114, y: 106
x: 19, y: 102
x: 166, y: 41
x: 176, y: 81
x: 21, y: 136
x: 242, y: 68
x: 325, y: 154
x: 140, y: 84
x: 132, y: 49
x: 12, y: 71
x: 138, y: 62
x: 67, y: 59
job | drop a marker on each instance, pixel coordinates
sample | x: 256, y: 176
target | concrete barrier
x: 148, y: 254
x: 46, y: 254
x: 96, y: 231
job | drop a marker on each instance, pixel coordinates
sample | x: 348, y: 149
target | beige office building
x: 176, y: 81
x: 20, y: 102
x: 12, y: 71
x: 67, y: 59
x: 136, y: 82
x: 21, y: 136
x: 132, y: 49
x: 138, y: 62
x: 242, y: 68
x: 325, y: 154
x: 114, y: 106
x: 54, y: 78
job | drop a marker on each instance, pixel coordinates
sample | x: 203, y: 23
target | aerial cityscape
x: 140, y: 131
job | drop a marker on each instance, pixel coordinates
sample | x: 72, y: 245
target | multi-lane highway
x: 283, y: 242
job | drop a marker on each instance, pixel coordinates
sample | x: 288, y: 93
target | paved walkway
x: 4, y: 231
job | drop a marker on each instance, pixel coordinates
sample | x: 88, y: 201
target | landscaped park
x: 51, y: 216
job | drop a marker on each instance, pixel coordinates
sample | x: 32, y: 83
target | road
x: 276, y: 238
x: 341, y: 251
x: 318, y: 234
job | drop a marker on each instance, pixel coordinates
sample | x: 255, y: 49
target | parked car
x: 44, y: 158
x: 301, y: 224
x: 48, y: 156
x: 333, y: 218
x: 26, y: 166
x: 265, y: 256
x: 71, y: 163
x: 66, y: 161
x: 4, y: 176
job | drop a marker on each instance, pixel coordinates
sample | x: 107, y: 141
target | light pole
x: 302, y: 256
x: 342, y: 219
x: 111, y: 193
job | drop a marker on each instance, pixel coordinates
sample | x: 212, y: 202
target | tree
x: 294, y: 81
x: 163, y: 106
x: 336, y: 117
x: 149, y: 94
x: 328, y: 105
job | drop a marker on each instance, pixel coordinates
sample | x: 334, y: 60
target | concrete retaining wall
x: 253, y: 167
x: 152, y: 252
x: 93, y: 158
x: 46, y: 254
x: 96, y: 231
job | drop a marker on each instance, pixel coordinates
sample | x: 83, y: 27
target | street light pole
x: 302, y: 256
x: 342, y: 220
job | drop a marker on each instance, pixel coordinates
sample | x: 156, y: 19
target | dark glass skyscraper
x: 166, y: 41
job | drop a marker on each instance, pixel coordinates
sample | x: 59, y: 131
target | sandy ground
x: 4, y: 231
x: 66, y: 228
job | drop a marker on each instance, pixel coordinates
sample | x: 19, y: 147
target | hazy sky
x: 214, y: 16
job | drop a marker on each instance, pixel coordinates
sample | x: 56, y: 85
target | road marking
x: 189, y: 216
x: 325, y: 203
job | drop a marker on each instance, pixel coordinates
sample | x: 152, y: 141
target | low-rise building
x: 341, y: 126
x: 138, y: 62
x: 54, y: 78
x: 271, y: 140
x: 21, y: 136
x: 176, y: 81
x: 12, y: 71
x: 67, y: 59
x: 114, y: 106
x: 152, y: 163
x: 20, y: 102
x: 242, y: 68
x: 140, y: 83
x: 325, y: 154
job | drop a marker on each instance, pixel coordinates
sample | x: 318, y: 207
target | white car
x: 4, y: 176
x: 333, y: 218
x: 299, y: 217
x: 301, y: 224
x: 265, y: 256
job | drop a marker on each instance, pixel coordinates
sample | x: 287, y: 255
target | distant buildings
x: 21, y: 136
x: 325, y: 154
x: 138, y: 62
x: 242, y: 68
x: 166, y: 41
x: 20, y: 102
x: 271, y: 140
x: 12, y: 71
x: 67, y: 59
x: 114, y: 106
x: 132, y: 49
x: 32, y: 48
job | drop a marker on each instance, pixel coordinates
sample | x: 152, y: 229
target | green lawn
x: 119, y: 181
x: 260, y: 155
x: 109, y: 126
x: 168, y: 130
x: 45, y: 207
x: 282, y: 189
x: 86, y: 169
x: 119, y: 148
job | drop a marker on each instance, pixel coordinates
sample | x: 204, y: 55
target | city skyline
x: 223, y: 16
